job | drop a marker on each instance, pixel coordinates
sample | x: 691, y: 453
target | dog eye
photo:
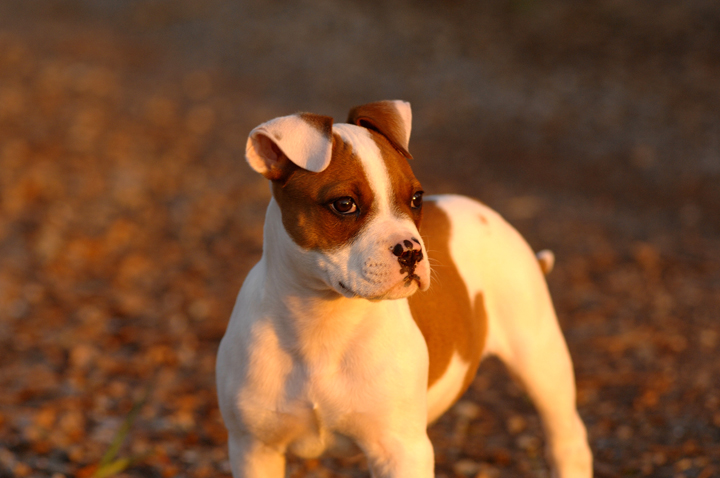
x: 345, y: 205
x: 416, y: 201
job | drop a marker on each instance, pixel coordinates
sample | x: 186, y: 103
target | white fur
x: 444, y: 391
x: 301, y: 142
x: 366, y: 149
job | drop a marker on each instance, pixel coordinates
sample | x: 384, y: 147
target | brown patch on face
x: 402, y: 180
x: 305, y: 198
x: 321, y: 123
x: 444, y: 313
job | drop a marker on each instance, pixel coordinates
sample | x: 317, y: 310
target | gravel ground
x: 128, y: 218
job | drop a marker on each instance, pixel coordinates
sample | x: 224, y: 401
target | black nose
x: 407, y: 255
x: 398, y: 250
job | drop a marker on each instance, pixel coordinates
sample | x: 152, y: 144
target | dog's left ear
x: 390, y: 118
x: 304, y: 139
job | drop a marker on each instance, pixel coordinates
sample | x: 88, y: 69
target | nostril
x: 414, y: 256
x: 415, y: 241
x: 408, y: 244
x: 397, y: 250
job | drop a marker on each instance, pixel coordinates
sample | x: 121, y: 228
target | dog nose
x: 404, y: 246
x: 407, y: 254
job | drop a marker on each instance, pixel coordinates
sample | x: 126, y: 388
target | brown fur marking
x: 478, y: 332
x: 383, y: 118
x: 444, y: 313
x: 304, y: 199
x: 321, y: 123
x: 402, y: 180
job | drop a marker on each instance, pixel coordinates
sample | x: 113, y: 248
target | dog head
x: 348, y: 198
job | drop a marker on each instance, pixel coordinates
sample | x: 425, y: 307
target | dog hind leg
x: 539, y: 358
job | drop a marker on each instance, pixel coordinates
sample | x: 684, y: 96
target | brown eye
x: 345, y: 205
x: 416, y: 201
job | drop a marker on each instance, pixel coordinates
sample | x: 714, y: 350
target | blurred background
x: 129, y: 219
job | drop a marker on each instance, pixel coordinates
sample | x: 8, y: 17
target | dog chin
x: 399, y: 290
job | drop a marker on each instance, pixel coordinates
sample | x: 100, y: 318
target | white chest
x: 301, y: 409
x: 312, y: 401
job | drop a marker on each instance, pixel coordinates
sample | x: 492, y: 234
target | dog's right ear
x: 305, y: 139
x: 390, y: 118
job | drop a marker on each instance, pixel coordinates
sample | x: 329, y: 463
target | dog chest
x: 332, y: 388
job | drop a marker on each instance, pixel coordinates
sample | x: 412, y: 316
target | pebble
x: 467, y: 409
x: 466, y: 467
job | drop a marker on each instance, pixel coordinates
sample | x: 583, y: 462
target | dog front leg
x: 401, y: 457
x: 250, y: 458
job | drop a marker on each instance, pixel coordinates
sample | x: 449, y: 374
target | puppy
x: 341, y: 342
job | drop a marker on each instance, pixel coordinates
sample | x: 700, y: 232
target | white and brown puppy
x: 340, y: 341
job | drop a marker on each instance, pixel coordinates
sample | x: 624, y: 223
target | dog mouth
x: 378, y: 282
x: 410, y: 278
x: 346, y: 290
x: 396, y: 291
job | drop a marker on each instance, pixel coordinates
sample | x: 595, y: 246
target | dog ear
x: 305, y: 139
x: 390, y: 118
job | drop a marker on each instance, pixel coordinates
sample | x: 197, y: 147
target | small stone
x: 529, y: 443
x: 708, y: 338
x: 467, y: 409
x: 21, y: 469
x: 466, y: 467
x: 524, y: 207
x: 487, y: 471
x: 516, y: 424
x: 624, y: 432
x: 7, y: 458
x: 683, y: 465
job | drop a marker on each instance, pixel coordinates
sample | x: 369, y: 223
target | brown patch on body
x: 480, y: 333
x: 305, y: 197
x: 444, y: 313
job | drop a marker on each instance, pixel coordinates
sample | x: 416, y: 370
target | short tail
x: 546, y: 259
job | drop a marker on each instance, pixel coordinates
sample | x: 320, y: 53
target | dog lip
x: 412, y: 277
x: 346, y: 288
x: 399, y: 286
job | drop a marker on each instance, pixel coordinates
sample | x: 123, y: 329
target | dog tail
x: 546, y: 258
